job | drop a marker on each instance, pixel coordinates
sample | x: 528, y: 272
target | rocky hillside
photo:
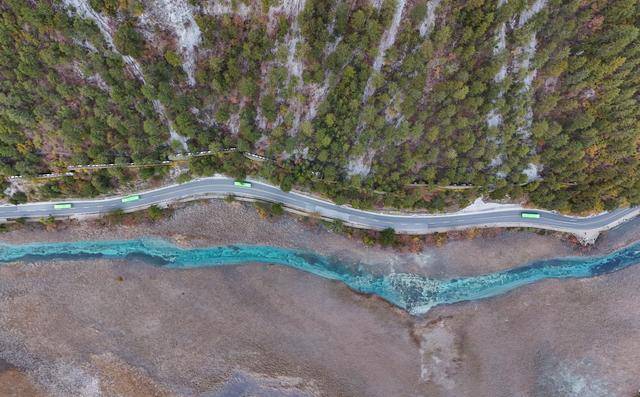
x: 375, y: 102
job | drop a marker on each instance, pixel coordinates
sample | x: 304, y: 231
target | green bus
x: 530, y: 215
x: 62, y: 206
x: 242, y: 183
x: 131, y: 198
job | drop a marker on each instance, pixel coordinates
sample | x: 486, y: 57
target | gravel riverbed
x: 128, y: 328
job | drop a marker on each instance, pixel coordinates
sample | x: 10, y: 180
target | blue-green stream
x: 412, y: 292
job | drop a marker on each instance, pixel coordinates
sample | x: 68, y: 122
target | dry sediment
x: 217, y: 222
x: 128, y: 328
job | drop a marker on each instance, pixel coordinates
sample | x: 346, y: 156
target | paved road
x: 588, y: 228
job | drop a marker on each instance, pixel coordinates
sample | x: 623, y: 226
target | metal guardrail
x: 171, y: 158
x: 114, y: 165
x: 45, y: 176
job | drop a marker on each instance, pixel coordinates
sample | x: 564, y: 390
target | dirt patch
x: 127, y: 328
x: 75, y: 328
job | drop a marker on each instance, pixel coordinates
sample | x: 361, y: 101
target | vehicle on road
x: 62, y: 206
x: 242, y: 183
x: 530, y: 215
x: 131, y: 198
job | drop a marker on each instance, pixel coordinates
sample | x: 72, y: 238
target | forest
x: 422, y: 104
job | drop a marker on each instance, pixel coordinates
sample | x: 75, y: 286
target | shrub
x: 128, y: 40
x: 155, y: 213
x: 18, y: 197
x: 277, y: 209
x: 387, y: 237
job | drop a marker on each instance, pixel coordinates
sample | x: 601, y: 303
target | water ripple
x: 412, y: 292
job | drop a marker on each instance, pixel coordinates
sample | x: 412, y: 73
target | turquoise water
x: 412, y: 292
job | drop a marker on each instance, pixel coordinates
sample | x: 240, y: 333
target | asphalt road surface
x: 409, y: 223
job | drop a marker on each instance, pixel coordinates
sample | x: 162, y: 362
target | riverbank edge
x: 585, y: 237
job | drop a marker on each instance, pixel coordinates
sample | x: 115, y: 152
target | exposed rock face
x: 299, y: 81
x: 430, y: 19
x: 84, y: 9
x: 177, y: 17
x: 388, y: 38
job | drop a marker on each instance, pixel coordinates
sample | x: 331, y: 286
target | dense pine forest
x: 422, y: 104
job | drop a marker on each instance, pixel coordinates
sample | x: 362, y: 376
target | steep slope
x: 371, y: 102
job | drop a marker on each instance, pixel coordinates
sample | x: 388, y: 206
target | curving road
x: 586, y: 228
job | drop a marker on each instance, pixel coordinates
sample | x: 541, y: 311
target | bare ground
x: 578, y: 338
x: 218, y: 223
x: 126, y: 328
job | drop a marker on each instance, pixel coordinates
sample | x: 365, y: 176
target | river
x: 412, y: 292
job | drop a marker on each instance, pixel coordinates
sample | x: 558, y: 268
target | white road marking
x: 415, y: 222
